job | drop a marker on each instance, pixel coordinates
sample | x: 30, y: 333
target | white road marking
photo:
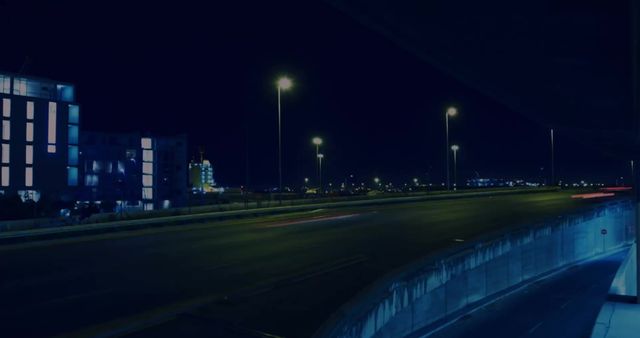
x: 534, y: 328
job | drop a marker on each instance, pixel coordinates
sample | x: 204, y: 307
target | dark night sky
x: 209, y: 71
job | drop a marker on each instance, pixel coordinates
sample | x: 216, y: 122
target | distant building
x: 486, y: 182
x: 40, y: 137
x: 135, y: 170
x: 201, y: 176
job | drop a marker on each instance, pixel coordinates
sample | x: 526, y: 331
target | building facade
x: 40, y: 137
x: 201, y: 176
x: 134, y: 170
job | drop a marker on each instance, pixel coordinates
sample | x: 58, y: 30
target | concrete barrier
x: 440, y: 287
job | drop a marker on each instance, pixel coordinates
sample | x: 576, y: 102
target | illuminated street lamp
x: 284, y: 83
x: 451, y: 112
x: 317, y: 142
x: 320, y: 157
x: 376, y: 180
x: 455, y: 149
x: 415, y: 180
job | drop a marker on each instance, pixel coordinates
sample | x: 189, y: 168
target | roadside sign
x: 603, y: 231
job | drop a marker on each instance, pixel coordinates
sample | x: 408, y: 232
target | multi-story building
x: 40, y: 136
x: 201, y: 176
x: 137, y: 170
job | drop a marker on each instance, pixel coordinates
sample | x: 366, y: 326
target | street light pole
x: 553, y: 168
x: 320, y: 157
x: 317, y: 141
x: 450, y: 112
x: 455, y: 166
x: 283, y: 84
x: 279, y: 146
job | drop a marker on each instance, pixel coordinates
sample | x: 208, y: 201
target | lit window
x: 53, y: 112
x: 146, y: 143
x: 91, y: 180
x: 29, y: 154
x: 147, y: 155
x: 6, y: 107
x: 28, y: 176
x: 147, y: 180
x: 109, y: 169
x: 73, y: 134
x: 73, y: 155
x: 120, y: 167
x: 5, y: 153
x: 148, y: 206
x: 5, y: 176
x: 65, y: 93
x: 5, y: 84
x: 29, y: 131
x: 72, y: 176
x: 29, y: 110
x: 6, y: 130
x: 19, y: 86
x: 147, y: 193
x: 51, y: 148
x: 96, y: 166
x: 74, y: 114
x: 147, y: 168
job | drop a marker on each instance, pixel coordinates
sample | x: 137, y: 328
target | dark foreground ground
x: 282, y: 275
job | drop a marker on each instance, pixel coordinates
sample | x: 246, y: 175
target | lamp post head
x: 452, y: 111
x: 317, y: 141
x: 455, y: 147
x: 376, y: 180
x: 284, y: 83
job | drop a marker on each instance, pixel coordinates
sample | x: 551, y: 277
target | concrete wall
x: 624, y: 284
x: 437, y: 287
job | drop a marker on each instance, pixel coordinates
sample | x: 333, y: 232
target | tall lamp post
x: 451, y: 112
x: 455, y: 149
x: 553, y: 165
x: 317, y: 142
x: 320, y: 157
x: 284, y: 83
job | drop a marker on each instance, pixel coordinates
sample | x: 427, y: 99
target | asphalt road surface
x: 283, y: 275
x: 565, y: 305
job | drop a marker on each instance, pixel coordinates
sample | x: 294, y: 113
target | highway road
x: 283, y: 275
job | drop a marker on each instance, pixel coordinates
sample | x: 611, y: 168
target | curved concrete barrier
x: 433, y: 290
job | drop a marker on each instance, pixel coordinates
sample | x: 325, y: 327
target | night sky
x: 209, y: 70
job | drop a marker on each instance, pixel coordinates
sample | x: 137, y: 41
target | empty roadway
x: 280, y: 274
